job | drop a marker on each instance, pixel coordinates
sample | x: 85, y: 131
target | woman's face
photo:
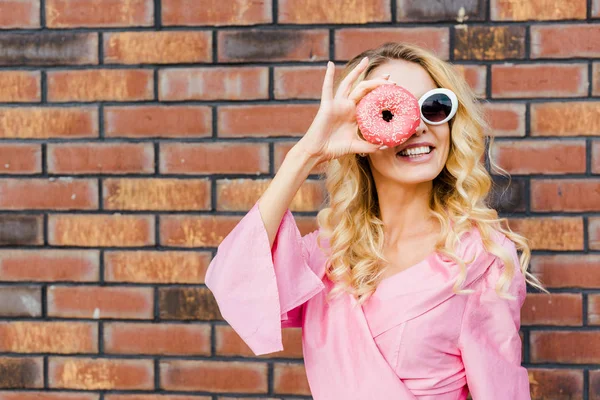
x: 385, y: 164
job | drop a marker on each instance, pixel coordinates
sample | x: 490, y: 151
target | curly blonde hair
x: 351, y: 222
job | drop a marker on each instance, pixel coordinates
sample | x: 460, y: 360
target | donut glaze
x: 388, y: 115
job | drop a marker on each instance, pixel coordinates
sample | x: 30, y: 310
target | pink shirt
x: 413, y: 339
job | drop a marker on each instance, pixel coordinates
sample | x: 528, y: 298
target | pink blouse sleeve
x: 259, y: 290
x: 489, y: 339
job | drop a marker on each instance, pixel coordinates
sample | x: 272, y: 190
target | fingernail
x: 329, y: 64
x: 383, y: 147
x: 386, y: 76
x: 364, y: 59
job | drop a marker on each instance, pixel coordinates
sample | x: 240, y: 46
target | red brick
x: 48, y: 337
x: 163, y: 339
x: 594, y: 233
x: 241, y: 194
x: 214, y: 158
x: 49, y: 48
x: 565, y: 119
x: 281, y: 150
x: 21, y: 229
x: 594, y: 309
x: 565, y: 195
x: 21, y: 373
x: 162, y: 47
x: 552, y: 309
x: 158, y: 397
x: 158, y: 121
x: 54, y: 194
x: 156, y: 266
x: 19, y: 86
x: 214, y: 376
x: 156, y: 194
x: 49, y: 265
x: 547, y: 383
x: 489, y: 42
x: 101, y: 230
x: 85, y: 13
x: 510, y: 10
x: 565, y: 41
x: 100, y: 85
x: 19, y: 14
x: 20, y: 301
x: 290, y: 378
x: 99, y: 374
x: 100, y: 158
x: 505, y: 119
x: 229, y: 344
x: 551, y: 233
x: 476, y: 76
x: 48, y: 396
x: 319, y: 12
x: 352, y: 41
x: 100, y: 302
x: 300, y: 82
x: 540, y: 157
x: 224, y: 83
x: 596, y: 78
x: 48, y: 122
x: 216, y: 12
x: 434, y: 10
x: 20, y: 158
x: 565, y: 347
x: 188, y: 303
x: 594, y: 378
x: 271, y: 45
x: 567, y: 270
x: 265, y: 120
x: 596, y: 156
x: 539, y: 80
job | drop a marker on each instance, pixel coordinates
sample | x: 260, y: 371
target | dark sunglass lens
x: 436, y: 107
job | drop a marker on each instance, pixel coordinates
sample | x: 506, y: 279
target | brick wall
x: 134, y: 134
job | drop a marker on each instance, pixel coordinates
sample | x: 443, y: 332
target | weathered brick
x: 476, y: 77
x: 185, y: 303
x: 568, y: 195
x: 281, y: 150
x: 273, y: 45
x: 559, y: 309
x: 158, y: 397
x: 101, y: 230
x: 551, y: 233
x: 20, y: 86
x: 596, y: 78
x: 539, y: 80
x: 156, y: 194
x: 156, y: 266
x: 319, y: 12
x: 214, y: 158
x: 20, y: 158
x: 163, y: 339
x: 540, y: 157
x: 54, y: 395
x: 265, y: 120
x: 300, y: 82
x: 505, y: 119
x: 101, y: 85
x: 100, y: 158
x: 290, y: 378
x: 241, y: 194
x: 565, y: 41
x: 19, y: 14
x: 596, y: 156
x: 85, y: 13
x: 565, y: 347
x: 48, y: 122
x: 434, y: 10
x: 510, y: 10
x: 352, y: 41
x: 158, y: 121
x: 55, y: 194
x: 20, y: 301
x: 508, y: 196
x: 594, y: 309
x: 216, y: 12
x: 48, y: 337
x: 214, y: 376
x: 229, y: 344
x: 225, y: 83
x: 567, y: 270
x: 48, y: 48
x: 596, y: 11
x: 489, y: 42
x: 100, y: 302
x: 546, y: 383
x: 565, y: 119
x: 21, y: 229
x: 21, y: 372
x: 158, y: 47
x: 594, y: 385
x: 99, y: 374
x: 49, y: 265
x: 594, y: 233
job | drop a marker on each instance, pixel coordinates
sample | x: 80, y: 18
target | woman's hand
x: 334, y: 131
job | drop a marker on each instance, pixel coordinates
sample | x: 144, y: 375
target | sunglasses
x: 438, y: 106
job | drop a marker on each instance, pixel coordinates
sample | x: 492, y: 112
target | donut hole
x: 387, y: 115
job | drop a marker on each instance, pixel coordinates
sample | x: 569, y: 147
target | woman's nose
x: 422, y: 128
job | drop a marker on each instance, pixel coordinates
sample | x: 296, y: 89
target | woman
x: 411, y: 288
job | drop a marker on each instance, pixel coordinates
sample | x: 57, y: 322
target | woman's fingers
x: 362, y: 146
x: 366, y: 86
x: 351, y: 77
x: 327, y: 90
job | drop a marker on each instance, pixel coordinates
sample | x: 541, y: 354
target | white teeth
x: 416, y: 151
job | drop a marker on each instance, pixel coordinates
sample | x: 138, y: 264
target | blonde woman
x: 412, y: 287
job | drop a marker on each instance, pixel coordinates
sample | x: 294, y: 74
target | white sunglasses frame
x: 451, y: 95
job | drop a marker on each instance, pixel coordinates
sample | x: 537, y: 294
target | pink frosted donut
x: 388, y: 115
